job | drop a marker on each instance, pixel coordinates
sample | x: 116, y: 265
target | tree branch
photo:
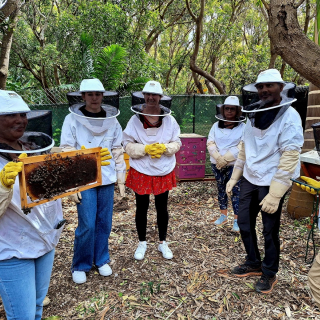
x: 190, y: 12
x: 296, y: 6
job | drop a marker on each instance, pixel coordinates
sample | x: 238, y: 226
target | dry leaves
x: 195, y: 284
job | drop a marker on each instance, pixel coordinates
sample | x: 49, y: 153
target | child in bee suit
x: 93, y: 124
x: 223, y: 140
x: 267, y: 160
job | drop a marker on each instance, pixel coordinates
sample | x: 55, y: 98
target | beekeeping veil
x: 33, y: 142
x: 110, y: 104
x: 138, y: 101
x: 260, y: 115
x: 230, y: 101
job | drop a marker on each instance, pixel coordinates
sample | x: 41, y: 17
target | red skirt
x: 142, y: 184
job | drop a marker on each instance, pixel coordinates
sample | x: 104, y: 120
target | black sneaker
x: 266, y: 284
x: 246, y: 271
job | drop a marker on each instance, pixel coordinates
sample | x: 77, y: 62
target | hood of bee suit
x: 138, y: 104
x: 110, y: 104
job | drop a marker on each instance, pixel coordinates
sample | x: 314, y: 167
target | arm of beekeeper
x: 134, y: 149
x: 237, y: 169
x: 174, y: 145
x: 314, y: 280
x: 8, y: 176
x: 5, y: 198
x: 232, y: 154
x: 117, y: 154
x: 213, y: 150
x: 68, y: 137
x: 290, y: 141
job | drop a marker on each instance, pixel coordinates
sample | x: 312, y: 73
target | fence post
x: 194, y: 114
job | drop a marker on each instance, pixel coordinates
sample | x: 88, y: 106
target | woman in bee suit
x: 27, y: 242
x: 268, y: 159
x: 151, y: 139
x: 94, y: 124
x: 223, y: 140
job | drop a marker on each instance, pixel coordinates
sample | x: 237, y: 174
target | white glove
x: 221, y: 162
x: 122, y: 189
x: 270, y: 203
x: 75, y: 197
x: 235, y: 177
x: 121, y: 179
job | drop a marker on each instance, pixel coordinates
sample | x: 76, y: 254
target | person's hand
x: 221, y: 162
x: 270, y: 203
x: 155, y: 150
x: 10, y: 171
x: 75, y: 197
x: 105, y: 155
x: 122, y: 189
x: 231, y: 183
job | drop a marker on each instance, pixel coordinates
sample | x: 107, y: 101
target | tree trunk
x: 290, y: 42
x: 193, y: 66
x: 313, y: 116
x: 13, y: 11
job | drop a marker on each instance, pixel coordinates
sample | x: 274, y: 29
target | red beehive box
x: 191, y: 157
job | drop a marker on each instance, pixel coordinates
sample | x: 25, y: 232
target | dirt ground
x: 196, y: 283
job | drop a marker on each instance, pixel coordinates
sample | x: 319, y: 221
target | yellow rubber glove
x: 155, y: 150
x: 10, y: 171
x: 312, y: 182
x: 308, y: 189
x: 105, y: 155
x: 149, y: 148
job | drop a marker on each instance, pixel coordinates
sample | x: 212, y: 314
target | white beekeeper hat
x: 230, y: 101
x: 11, y: 102
x: 153, y: 87
x: 91, y: 85
x: 268, y: 76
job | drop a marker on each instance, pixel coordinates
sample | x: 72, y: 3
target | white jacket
x: 226, y: 140
x: 263, y: 148
x: 75, y: 134
x: 26, y: 236
x: 168, y: 132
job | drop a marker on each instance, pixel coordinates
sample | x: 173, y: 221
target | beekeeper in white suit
x: 94, y: 124
x: 151, y: 139
x: 268, y: 159
x: 223, y: 146
x: 27, y: 242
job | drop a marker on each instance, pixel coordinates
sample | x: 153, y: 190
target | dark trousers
x: 250, y: 197
x: 142, y: 203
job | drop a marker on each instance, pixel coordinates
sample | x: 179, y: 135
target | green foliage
x: 72, y: 40
x: 110, y: 65
x: 56, y: 136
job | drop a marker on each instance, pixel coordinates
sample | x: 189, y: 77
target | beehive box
x: 191, y: 157
x: 189, y: 171
x: 49, y: 177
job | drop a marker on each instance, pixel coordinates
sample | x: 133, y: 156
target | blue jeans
x: 24, y: 284
x: 91, y: 243
x: 222, y: 177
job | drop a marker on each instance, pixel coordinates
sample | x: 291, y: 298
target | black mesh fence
x: 194, y: 113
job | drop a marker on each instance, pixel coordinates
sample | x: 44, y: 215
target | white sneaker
x: 166, y: 252
x: 79, y: 277
x: 141, y: 250
x: 105, y: 270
